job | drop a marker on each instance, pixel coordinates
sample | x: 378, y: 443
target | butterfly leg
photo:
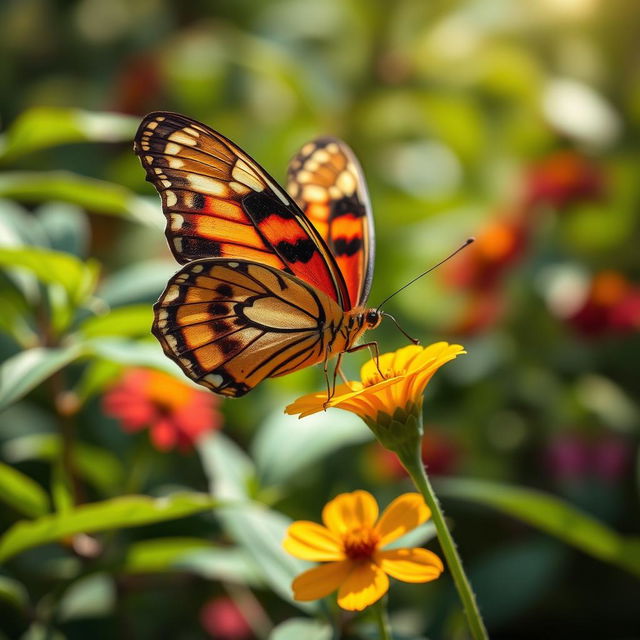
x: 331, y: 387
x: 375, y: 354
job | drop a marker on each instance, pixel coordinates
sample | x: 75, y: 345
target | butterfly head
x: 372, y: 318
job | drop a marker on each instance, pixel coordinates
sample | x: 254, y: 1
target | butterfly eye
x: 372, y: 318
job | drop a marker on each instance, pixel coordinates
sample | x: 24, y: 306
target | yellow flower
x: 351, y: 542
x: 406, y: 374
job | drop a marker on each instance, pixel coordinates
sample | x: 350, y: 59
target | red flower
x: 498, y: 246
x: 176, y: 413
x: 562, y: 178
x: 612, y: 305
x: 221, y: 618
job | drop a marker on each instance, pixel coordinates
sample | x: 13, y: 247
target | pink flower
x: 222, y: 619
x: 175, y: 413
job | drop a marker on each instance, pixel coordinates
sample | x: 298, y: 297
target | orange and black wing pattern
x: 231, y: 323
x: 220, y: 203
x: 326, y: 181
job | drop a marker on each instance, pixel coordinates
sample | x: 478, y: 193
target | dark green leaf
x: 553, y: 516
x: 98, y: 466
x: 22, y: 493
x: 14, y: 593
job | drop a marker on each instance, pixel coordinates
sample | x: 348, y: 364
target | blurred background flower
x: 175, y: 413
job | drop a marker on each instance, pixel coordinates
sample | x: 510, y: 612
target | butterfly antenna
x: 402, y: 331
x: 467, y: 242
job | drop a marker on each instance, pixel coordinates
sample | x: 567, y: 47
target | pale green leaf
x: 91, y: 194
x: 298, y: 628
x: 42, y: 127
x: 26, y: 370
x: 127, y: 511
x: 125, y: 322
x: 285, y: 445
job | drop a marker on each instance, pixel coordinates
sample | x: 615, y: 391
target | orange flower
x: 176, y: 413
x: 351, y: 542
x: 407, y: 372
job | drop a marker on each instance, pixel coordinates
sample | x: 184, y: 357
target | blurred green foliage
x: 458, y: 111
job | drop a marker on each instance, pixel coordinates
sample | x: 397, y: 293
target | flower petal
x: 405, y: 513
x: 366, y: 584
x: 311, y: 541
x: 350, y: 511
x: 410, y: 565
x: 320, y: 581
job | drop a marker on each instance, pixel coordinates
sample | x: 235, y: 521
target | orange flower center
x: 360, y: 543
x: 166, y: 393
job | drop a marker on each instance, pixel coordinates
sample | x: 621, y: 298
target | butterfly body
x: 272, y: 282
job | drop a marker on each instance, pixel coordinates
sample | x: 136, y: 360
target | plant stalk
x: 412, y: 462
x: 382, y: 618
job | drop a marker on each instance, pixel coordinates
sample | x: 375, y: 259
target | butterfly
x: 273, y: 280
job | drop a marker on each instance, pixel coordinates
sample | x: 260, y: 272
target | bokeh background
x: 517, y: 122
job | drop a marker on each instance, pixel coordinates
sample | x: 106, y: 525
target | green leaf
x: 133, y: 353
x: 229, y: 470
x: 139, y: 282
x: 127, y: 511
x: 78, y: 278
x: 92, y: 596
x: 22, y: 493
x: 551, y: 515
x: 539, y: 560
x: 14, y: 593
x: 26, y: 370
x: 285, y: 445
x: 43, y: 127
x: 228, y: 564
x: 126, y: 321
x: 94, y: 195
x: 96, y: 465
x: 160, y: 554
x: 296, y: 628
x: 193, y: 555
x: 66, y: 227
x: 260, y: 532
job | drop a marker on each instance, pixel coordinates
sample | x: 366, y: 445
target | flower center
x: 360, y: 543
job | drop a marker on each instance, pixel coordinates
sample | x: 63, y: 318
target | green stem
x: 412, y: 461
x: 382, y: 618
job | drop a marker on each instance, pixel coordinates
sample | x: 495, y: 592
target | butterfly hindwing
x: 231, y: 323
x: 326, y: 181
x: 220, y: 203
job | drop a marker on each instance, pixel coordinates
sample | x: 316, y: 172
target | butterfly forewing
x: 221, y: 203
x: 326, y: 181
x: 231, y: 323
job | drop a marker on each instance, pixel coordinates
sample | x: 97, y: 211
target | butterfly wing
x: 327, y: 183
x: 231, y: 323
x: 221, y: 203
